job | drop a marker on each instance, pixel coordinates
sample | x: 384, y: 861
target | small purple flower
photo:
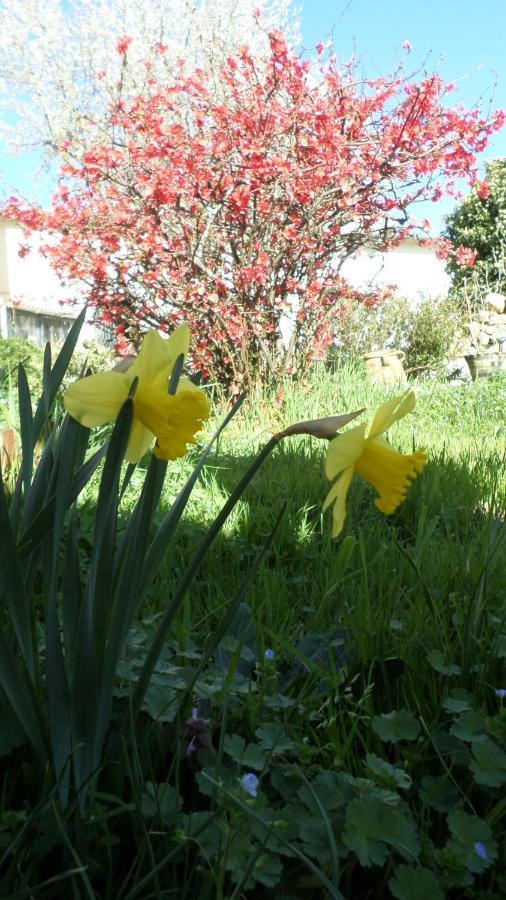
x: 250, y: 784
x: 197, y: 733
x: 501, y: 693
x: 481, y: 850
x: 269, y: 654
x: 192, y: 747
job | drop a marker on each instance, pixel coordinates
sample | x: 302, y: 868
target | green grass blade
x: 41, y: 480
x: 46, y: 381
x: 102, y: 560
x: 165, y: 533
x: 72, y: 591
x: 214, y: 639
x: 189, y: 574
x: 127, y: 575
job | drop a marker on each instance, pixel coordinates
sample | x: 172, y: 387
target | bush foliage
x: 479, y: 225
x: 428, y: 333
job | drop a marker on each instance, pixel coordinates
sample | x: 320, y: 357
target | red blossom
x: 465, y: 256
x: 483, y: 189
x: 123, y: 44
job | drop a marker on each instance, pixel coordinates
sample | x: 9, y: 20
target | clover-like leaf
x: 398, y: 725
x: 268, y: 868
x: 458, y: 701
x: 386, y: 774
x: 234, y: 746
x: 436, y: 659
x: 273, y: 737
x: 471, y: 841
x: 439, y: 793
x: 415, y: 883
x: 373, y: 829
x: 489, y: 763
x: 323, y: 792
x: 451, y: 748
x: 161, y: 802
x: 286, y: 781
x: 468, y: 725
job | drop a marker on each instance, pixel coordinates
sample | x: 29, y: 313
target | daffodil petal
x: 174, y: 419
x: 388, y: 471
x: 188, y: 410
x: 391, y: 411
x: 185, y: 384
x: 337, y: 495
x: 343, y: 450
x: 97, y: 399
x: 158, y: 356
x: 139, y: 442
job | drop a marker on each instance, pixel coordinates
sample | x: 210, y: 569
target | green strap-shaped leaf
x: 42, y: 522
x: 57, y: 374
x: 12, y: 587
x: 21, y: 696
x: 127, y: 575
x: 92, y: 631
x: 57, y: 683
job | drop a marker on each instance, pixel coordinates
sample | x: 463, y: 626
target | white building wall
x: 415, y: 271
x: 30, y: 283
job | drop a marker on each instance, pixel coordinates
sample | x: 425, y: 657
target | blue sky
x: 463, y: 39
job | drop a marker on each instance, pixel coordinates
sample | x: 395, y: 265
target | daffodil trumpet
x: 168, y: 407
x: 371, y: 457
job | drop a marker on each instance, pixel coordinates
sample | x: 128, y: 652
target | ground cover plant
x: 311, y: 718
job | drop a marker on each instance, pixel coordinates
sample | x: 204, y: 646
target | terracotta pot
x: 8, y: 448
x: 385, y: 365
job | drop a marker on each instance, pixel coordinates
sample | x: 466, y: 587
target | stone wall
x: 487, y: 329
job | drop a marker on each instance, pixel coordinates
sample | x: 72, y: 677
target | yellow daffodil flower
x: 173, y: 419
x: 371, y: 457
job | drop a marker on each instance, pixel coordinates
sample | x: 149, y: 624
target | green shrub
x: 13, y: 351
x: 478, y: 224
x: 20, y: 350
x: 96, y: 357
x: 428, y: 334
x: 434, y: 334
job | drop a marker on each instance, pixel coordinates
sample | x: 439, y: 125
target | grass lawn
x: 355, y: 684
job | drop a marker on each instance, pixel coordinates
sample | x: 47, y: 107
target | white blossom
x: 59, y: 66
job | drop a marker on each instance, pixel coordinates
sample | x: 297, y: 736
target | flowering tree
x: 236, y: 212
x: 59, y: 72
